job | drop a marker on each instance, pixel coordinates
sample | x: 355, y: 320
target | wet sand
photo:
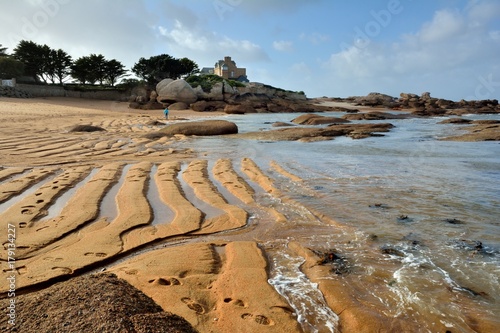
x: 191, y: 264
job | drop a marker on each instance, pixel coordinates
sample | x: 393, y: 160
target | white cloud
x: 481, y: 11
x: 452, y: 50
x: 314, y: 38
x: 445, y: 24
x: 208, y: 46
x: 284, y: 46
x: 183, y: 38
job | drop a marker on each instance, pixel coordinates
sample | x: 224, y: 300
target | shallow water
x: 162, y: 213
x: 435, y: 203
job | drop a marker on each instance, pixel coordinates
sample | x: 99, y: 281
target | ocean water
x: 422, y: 218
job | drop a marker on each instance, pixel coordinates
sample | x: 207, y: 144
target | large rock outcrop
x: 162, y: 84
x: 176, y: 91
x: 314, y: 119
x: 200, y: 128
x: 221, y: 91
x: 376, y: 100
x: 425, y: 105
x: 309, y: 134
x: 478, y: 130
x: 203, y: 106
x: 374, y: 115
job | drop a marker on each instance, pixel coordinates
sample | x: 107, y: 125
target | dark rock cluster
x: 425, y: 105
x: 6, y: 91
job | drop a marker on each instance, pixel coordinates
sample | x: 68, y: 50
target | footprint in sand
x: 259, y: 319
x: 196, y: 307
x: 98, y: 254
x: 166, y: 282
x: 64, y: 270
x: 237, y: 302
x: 28, y: 210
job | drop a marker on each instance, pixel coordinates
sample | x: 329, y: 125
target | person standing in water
x: 165, y: 112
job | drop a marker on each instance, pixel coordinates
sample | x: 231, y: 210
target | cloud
x: 283, y: 46
x: 266, y: 6
x: 481, y: 11
x: 81, y: 27
x: 314, y: 38
x: 209, y: 46
x: 446, y: 24
x: 453, y: 48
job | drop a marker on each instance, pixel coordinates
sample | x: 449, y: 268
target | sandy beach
x: 203, y: 280
x: 187, y: 266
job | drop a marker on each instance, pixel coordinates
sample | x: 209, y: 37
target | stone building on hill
x: 227, y: 69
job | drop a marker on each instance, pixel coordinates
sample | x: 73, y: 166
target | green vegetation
x: 42, y: 62
x: 95, y: 68
x: 46, y: 65
x: 208, y: 81
x: 10, y: 67
x: 283, y: 90
x: 157, y: 68
x: 2, y: 51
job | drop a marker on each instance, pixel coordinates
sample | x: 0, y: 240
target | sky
x: 333, y: 48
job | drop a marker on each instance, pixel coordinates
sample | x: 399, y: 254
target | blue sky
x: 333, y: 48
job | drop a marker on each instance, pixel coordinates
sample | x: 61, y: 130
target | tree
x: 95, y: 68
x: 113, y: 71
x: 98, y: 63
x: 10, y: 68
x: 46, y: 69
x: 30, y: 54
x: 61, y: 65
x: 188, y: 66
x: 81, y: 70
x: 159, y: 67
x: 2, y: 51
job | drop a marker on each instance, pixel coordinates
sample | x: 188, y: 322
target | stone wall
x: 58, y: 91
x: 7, y: 91
x: 42, y: 90
x: 113, y: 95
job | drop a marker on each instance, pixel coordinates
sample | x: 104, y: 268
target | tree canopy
x: 60, y: 65
x: 157, y: 68
x: 95, y: 68
x: 31, y: 54
x: 42, y: 63
x: 2, y: 51
x: 10, y: 68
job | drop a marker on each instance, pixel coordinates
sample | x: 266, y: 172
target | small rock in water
x: 379, y: 205
x: 387, y: 249
x: 474, y: 246
x: 404, y: 218
x: 412, y: 238
x: 339, y: 264
x: 453, y: 221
